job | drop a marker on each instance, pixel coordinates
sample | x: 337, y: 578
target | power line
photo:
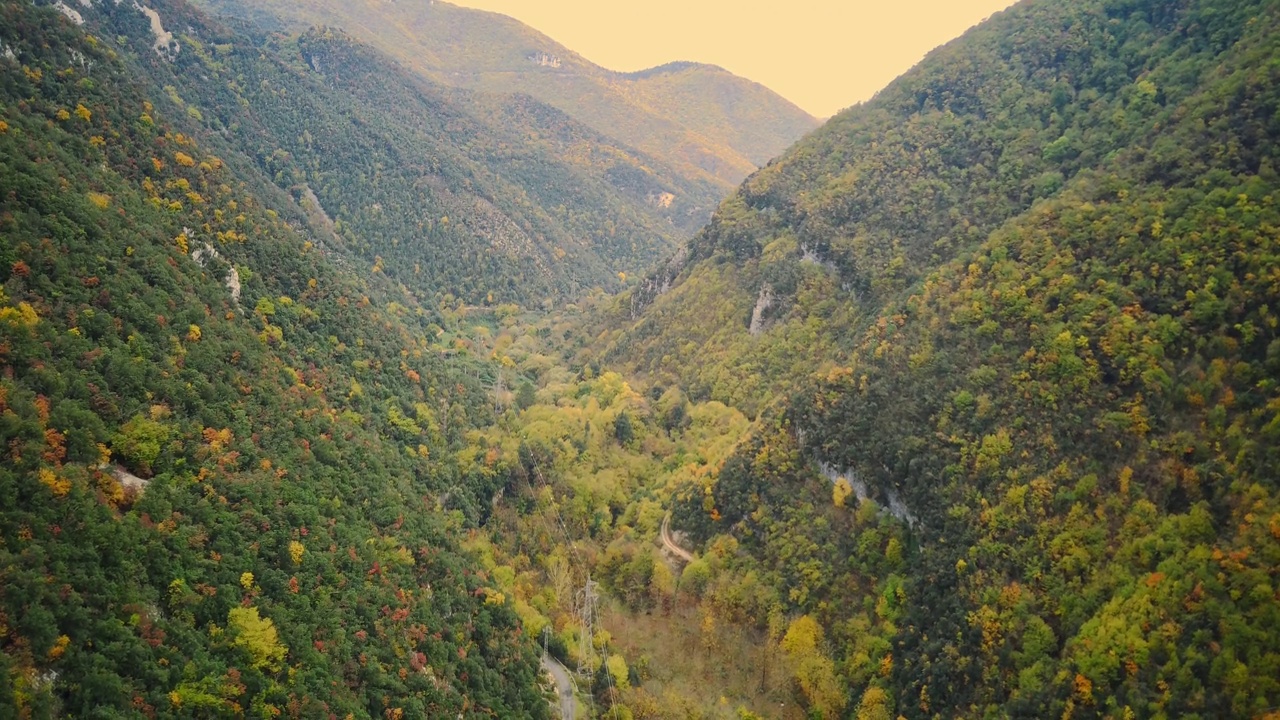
x: 590, y: 595
x: 573, y: 548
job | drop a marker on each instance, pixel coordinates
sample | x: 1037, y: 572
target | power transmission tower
x: 588, y: 598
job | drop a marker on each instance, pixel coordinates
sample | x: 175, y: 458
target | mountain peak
x: 671, y: 68
x: 708, y: 124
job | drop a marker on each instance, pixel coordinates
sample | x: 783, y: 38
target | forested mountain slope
x: 488, y: 199
x: 704, y: 122
x: 856, y: 215
x: 965, y: 407
x: 1024, y: 300
x: 224, y: 453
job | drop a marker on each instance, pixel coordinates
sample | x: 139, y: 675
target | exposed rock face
x: 661, y: 200
x: 542, y: 59
x: 201, y: 256
x: 165, y: 46
x: 74, y: 15
x: 763, y: 303
x: 128, y: 480
x: 317, y: 213
x: 656, y: 285
x: 894, y: 504
x: 233, y: 284
x: 811, y: 255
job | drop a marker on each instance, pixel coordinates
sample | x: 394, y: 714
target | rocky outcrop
x: 657, y: 284
x: 128, y: 480
x: 165, y: 45
x: 661, y: 200
x: 542, y: 59
x: 811, y: 255
x: 893, y: 504
x: 71, y: 13
x: 764, y: 302
x: 233, y: 284
x: 202, y: 255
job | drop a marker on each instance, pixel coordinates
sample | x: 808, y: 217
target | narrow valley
x: 390, y: 361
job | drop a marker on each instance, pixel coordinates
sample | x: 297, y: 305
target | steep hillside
x: 225, y: 455
x: 1024, y: 301
x: 747, y: 116
x: 487, y: 199
x: 813, y: 247
x: 705, y: 123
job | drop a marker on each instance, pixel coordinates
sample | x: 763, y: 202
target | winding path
x: 564, y: 686
x: 560, y: 674
x: 669, y: 542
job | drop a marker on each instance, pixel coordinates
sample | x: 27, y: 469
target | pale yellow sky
x: 823, y: 55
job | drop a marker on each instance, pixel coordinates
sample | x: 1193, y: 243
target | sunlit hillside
x: 705, y: 123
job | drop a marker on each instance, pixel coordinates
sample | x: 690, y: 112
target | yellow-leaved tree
x: 296, y: 551
x: 840, y: 492
x: 875, y: 705
x: 813, y: 670
x: 258, y: 637
x: 617, y: 666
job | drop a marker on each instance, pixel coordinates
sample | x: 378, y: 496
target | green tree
x: 526, y: 396
x: 140, y: 442
x: 622, y: 429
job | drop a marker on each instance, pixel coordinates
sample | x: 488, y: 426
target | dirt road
x: 564, y: 686
x: 669, y: 542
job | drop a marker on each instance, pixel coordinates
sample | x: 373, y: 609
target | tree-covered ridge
x: 1110, y: 465
x: 856, y: 214
x: 219, y: 498
x: 705, y: 124
x: 1121, y: 467
x: 1057, y: 366
x: 445, y: 191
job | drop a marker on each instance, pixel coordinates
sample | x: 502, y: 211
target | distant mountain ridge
x: 485, y: 197
x: 706, y: 122
x: 670, y: 67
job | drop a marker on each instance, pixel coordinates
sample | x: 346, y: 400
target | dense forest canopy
x: 965, y: 406
x: 225, y: 454
x: 1024, y: 301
